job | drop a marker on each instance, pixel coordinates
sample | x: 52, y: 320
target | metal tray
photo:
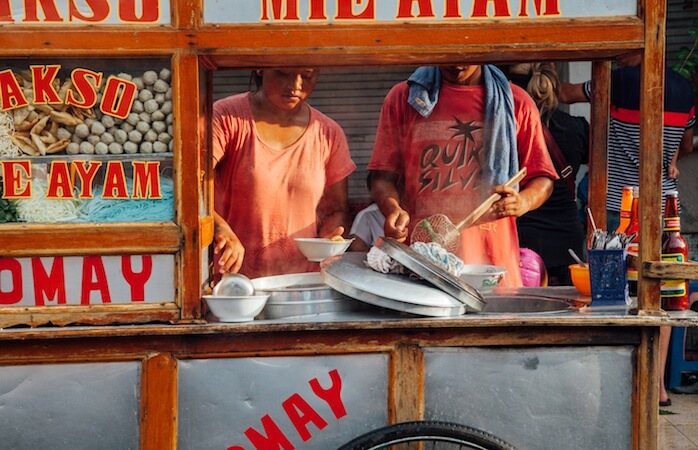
x: 301, y: 294
x: 348, y: 274
x: 432, y: 273
x: 294, y: 287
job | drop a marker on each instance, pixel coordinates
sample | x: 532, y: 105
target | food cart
x: 102, y: 337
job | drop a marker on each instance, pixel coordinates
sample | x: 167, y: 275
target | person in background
x: 556, y: 220
x: 624, y: 145
x: 453, y: 135
x: 624, y: 127
x: 367, y: 226
x: 280, y: 172
x: 673, y: 168
x: 583, y: 201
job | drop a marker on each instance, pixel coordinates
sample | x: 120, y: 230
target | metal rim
x: 438, y: 277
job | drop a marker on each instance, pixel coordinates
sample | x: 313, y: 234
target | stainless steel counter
x: 576, y: 313
x: 574, y: 310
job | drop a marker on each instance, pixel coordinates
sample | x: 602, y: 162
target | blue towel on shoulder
x: 499, y: 157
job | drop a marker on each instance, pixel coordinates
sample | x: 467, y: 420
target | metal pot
x: 301, y: 294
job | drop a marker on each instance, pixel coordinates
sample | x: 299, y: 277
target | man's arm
x: 517, y: 203
x: 386, y: 195
x: 686, y: 145
x: 572, y: 93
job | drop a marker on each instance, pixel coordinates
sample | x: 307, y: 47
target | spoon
x: 576, y: 258
x: 591, y: 218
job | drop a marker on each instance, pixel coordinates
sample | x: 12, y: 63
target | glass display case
x: 88, y: 207
x: 87, y: 141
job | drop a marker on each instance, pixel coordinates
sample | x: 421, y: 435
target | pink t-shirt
x: 270, y: 196
x: 439, y: 156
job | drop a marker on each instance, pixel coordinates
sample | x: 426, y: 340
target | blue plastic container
x: 609, y: 280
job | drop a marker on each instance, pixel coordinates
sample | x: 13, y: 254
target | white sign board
x: 84, y: 12
x: 87, y: 280
x: 286, y: 402
x: 371, y: 11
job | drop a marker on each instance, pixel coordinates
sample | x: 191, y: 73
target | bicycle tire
x: 445, y: 434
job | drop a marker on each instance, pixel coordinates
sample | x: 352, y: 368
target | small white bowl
x: 317, y: 249
x: 482, y: 277
x: 236, y: 308
x: 234, y: 284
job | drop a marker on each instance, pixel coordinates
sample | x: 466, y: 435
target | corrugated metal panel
x: 680, y: 17
x: 352, y: 97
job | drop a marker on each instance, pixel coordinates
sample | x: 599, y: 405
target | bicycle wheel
x: 427, y: 435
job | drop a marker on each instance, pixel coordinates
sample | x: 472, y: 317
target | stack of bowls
x: 234, y: 299
x: 301, y: 294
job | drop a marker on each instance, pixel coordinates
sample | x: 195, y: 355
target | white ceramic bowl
x: 317, y: 249
x: 236, y: 308
x: 234, y: 284
x: 482, y: 277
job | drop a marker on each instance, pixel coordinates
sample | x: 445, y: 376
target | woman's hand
x: 333, y: 210
x: 227, y: 246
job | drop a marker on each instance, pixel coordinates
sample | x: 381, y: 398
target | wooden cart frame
x: 196, y: 51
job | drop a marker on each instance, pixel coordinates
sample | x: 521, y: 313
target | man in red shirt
x: 453, y: 135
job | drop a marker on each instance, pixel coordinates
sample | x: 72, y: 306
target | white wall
x: 579, y: 72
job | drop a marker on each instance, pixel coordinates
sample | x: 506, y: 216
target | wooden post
x: 598, y: 159
x: 651, y: 145
x: 188, y: 189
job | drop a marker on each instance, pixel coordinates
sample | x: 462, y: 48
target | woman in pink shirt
x: 280, y: 172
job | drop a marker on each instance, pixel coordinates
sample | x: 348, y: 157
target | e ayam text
x: 63, y: 177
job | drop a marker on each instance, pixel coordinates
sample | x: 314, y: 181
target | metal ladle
x: 439, y: 228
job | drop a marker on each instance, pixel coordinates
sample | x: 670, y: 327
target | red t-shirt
x: 438, y: 158
x: 270, y: 196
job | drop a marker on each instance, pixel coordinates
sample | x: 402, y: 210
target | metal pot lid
x: 349, y: 275
x: 432, y: 273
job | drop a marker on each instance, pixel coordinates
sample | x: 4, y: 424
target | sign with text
x: 107, y: 139
x: 84, y: 12
x: 286, y: 402
x: 369, y: 11
x: 16, y: 180
x: 86, y: 280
